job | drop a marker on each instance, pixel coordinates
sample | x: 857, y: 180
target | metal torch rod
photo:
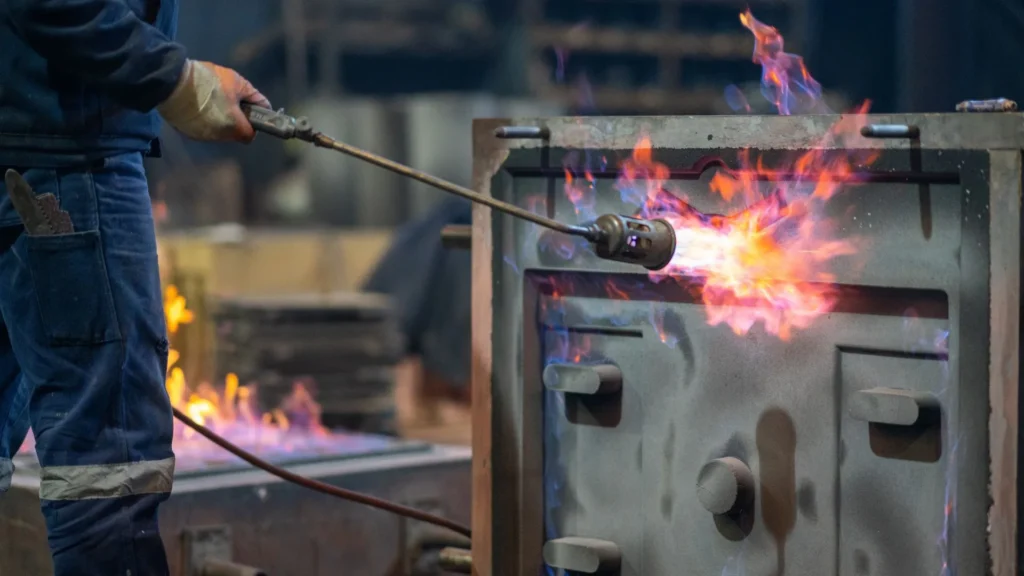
x: 510, y: 209
x: 280, y: 125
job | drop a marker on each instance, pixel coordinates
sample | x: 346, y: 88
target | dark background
x: 903, y: 55
x: 906, y: 55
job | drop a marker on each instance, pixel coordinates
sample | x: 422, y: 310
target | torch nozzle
x: 649, y: 243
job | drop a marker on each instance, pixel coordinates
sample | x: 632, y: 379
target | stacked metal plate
x: 343, y: 347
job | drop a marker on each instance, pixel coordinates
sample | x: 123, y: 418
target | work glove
x: 206, y: 104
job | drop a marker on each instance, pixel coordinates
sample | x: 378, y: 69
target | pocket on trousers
x: 71, y: 285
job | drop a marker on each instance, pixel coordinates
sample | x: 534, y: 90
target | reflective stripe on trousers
x: 6, y: 469
x: 83, y: 357
x: 106, y: 480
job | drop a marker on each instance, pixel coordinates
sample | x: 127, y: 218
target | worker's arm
x: 104, y: 42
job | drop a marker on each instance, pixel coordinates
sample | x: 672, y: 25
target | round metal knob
x: 725, y: 485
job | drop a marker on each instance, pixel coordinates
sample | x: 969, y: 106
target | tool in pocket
x: 41, y: 214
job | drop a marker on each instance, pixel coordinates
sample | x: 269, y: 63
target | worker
x: 83, y: 352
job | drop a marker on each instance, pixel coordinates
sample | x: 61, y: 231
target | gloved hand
x: 205, y: 105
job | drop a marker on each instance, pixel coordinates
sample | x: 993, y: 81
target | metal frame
x: 508, y: 455
x: 243, y: 514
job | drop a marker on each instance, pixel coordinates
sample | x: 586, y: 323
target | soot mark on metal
x: 776, y: 450
x: 675, y: 328
x: 668, y: 494
x: 807, y: 500
x: 736, y: 448
x: 861, y: 562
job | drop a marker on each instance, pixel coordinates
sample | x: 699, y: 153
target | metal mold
x: 932, y: 308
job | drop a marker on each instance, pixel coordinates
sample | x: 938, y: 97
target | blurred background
x: 405, y: 78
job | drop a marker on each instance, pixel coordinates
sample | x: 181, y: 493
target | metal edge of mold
x: 945, y: 131
x: 488, y: 154
x: 513, y: 416
x: 1004, y: 369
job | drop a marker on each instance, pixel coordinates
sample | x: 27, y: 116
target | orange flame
x: 770, y: 262
x: 233, y: 414
x: 235, y: 407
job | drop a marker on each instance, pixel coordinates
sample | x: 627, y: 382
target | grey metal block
x: 931, y: 307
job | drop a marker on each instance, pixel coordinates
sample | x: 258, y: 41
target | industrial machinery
x: 345, y: 345
x: 619, y: 429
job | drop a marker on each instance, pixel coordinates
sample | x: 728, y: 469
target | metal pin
x: 890, y: 131
x: 457, y: 236
x: 585, y: 555
x: 456, y: 560
x: 994, y: 105
x: 581, y: 379
x: 523, y: 132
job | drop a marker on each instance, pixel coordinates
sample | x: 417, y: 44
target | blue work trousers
x: 83, y: 355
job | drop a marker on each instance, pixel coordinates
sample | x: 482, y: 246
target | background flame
x: 235, y: 409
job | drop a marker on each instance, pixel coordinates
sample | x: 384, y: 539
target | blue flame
x: 920, y: 338
x: 585, y: 97
x: 949, y: 510
x: 735, y: 99
x: 561, y: 59
x: 511, y: 263
x: 734, y: 566
x: 557, y: 346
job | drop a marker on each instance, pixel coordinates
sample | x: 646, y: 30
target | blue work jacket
x: 79, y: 79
